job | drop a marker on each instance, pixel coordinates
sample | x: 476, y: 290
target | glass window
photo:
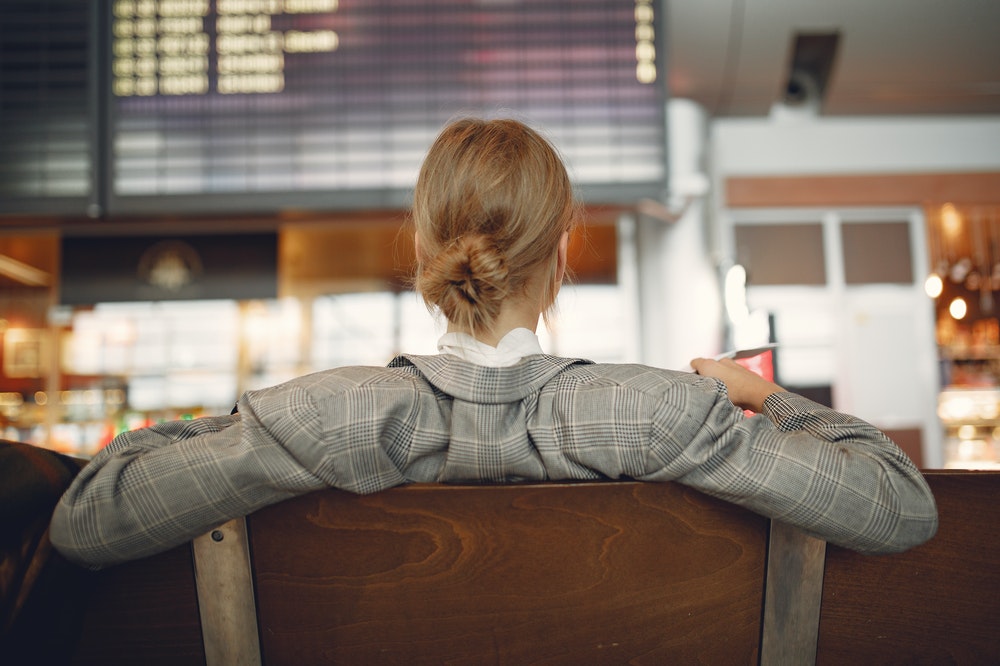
x: 877, y: 252
x: 782, y: 254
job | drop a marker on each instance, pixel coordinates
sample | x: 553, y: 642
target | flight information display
x: 46, y: 126
x: 226, y: 105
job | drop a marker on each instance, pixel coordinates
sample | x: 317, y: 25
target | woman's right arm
x: 746, y: 389
x: 826, y: 472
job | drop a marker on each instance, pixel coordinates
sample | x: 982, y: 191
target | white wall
x: 677, y: 283
x: 817, y: 145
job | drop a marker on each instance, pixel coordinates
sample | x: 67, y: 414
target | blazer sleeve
x: 155, y: 488
x: 158, y: 487
x: 831, y: 474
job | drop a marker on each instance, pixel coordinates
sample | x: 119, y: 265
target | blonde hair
x: 491, y: 203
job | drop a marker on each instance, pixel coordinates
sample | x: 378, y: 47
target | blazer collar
x: 480, y: 384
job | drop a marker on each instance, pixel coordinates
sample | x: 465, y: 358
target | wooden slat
x: 936, y: 604
x: 556, y: 574
x: 225, y: 596
x: 793, y: 595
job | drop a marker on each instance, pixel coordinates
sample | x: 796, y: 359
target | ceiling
x: 894, y: 57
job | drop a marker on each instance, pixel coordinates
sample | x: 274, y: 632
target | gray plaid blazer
x: 441, y: 419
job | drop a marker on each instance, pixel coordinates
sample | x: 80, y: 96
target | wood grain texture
x: 936, y: 604
x: 555, y: 574
x: 143, y: 613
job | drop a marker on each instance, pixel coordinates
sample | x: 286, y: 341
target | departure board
x: 227, y: 105
x: 46, y: 117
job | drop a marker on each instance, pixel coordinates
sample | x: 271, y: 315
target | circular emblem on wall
x: 170, y: 265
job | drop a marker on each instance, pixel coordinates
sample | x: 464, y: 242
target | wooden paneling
x: 316, y: 259
x: 861, y: 190
x: 936, y: 604
x: 593, y: 254
x: 556, y: 574
x: 375, y: 254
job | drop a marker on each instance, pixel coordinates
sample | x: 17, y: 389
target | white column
x: 680, y: 305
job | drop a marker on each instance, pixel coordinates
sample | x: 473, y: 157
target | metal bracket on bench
x: 792, y: 596
x: 225, y: 595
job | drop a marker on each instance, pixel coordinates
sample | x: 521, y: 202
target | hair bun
x: 468, y: 280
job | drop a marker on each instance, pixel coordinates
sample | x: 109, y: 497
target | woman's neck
x: 513, y: 314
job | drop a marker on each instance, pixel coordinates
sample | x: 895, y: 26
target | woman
x: 493, y: 208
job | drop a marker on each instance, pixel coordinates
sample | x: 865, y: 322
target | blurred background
x: 201, y: 197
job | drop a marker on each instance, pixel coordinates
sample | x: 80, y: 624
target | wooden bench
x: 595, y: 573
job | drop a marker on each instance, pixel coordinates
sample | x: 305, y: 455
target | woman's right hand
x: 746, y: 389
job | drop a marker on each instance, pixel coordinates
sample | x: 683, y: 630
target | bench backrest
x: 576, y: 574
x: 554, y: 573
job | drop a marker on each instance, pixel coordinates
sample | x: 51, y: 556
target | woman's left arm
x: 154, y: 488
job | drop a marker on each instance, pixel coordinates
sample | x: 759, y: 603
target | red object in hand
x: 762, y: 364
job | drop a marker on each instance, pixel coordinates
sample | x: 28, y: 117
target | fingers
x: 704, y: 366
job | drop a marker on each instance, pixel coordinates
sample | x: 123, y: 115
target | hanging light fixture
x: 958, y: 308
x: 933, y: 285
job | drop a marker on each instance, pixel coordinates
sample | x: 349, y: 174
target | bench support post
x: 225, y: 596
x: 792, y: 596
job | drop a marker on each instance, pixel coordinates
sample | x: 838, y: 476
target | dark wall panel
x: 146, y: 268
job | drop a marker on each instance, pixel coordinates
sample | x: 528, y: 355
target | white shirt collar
x: 514, y: 346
